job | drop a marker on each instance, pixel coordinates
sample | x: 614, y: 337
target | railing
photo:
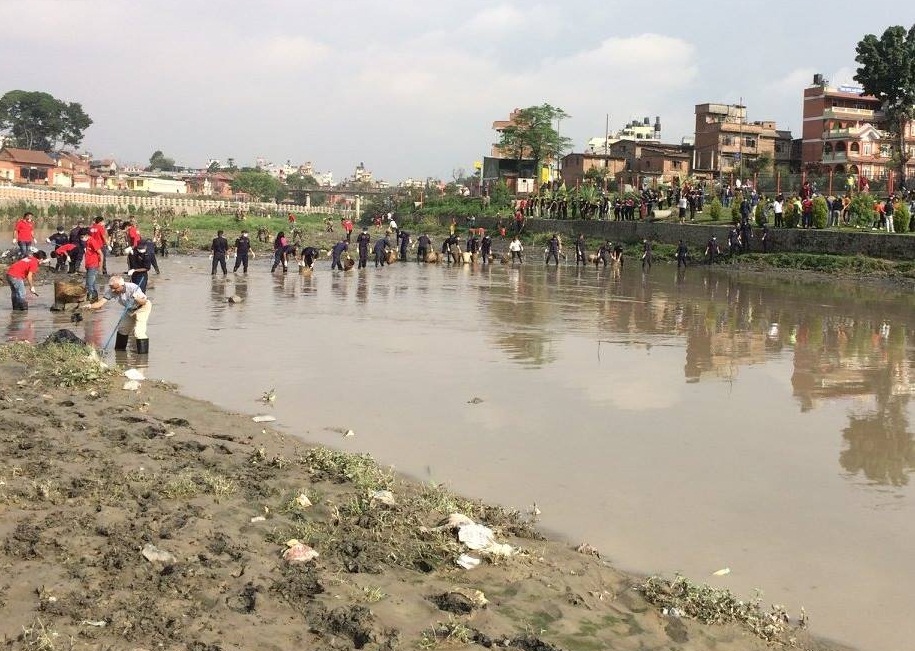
x: 836, y: 111
x: 46, y: 197
x: 836, y: 133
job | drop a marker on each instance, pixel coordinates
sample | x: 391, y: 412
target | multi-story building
x: 726, y: 141
x: 844, y: 132
x: 518, y: 173
x: 638, y: 130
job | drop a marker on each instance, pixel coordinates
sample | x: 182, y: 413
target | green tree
x: 258, y: 184
x: 714, y: 209
x: 36, y: 120
x: 886, y: 70
x: 213, y: 166
x: 531, y: 135
x: 820, y: 212
x: 158, y: 162
x: 299, y: 184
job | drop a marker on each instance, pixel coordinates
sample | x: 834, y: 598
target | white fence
x: 44, y: 198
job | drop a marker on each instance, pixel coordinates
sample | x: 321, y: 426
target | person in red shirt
x: 21, y: 272
x: 25, y: 233
x: 62, y: 253
x: 99, y: 233
x: 92, y: 257
x: 133, y: 235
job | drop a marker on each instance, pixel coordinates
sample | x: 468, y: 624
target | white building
x: 638, y: 130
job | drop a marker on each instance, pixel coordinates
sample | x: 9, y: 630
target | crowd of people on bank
x: 87, y: 248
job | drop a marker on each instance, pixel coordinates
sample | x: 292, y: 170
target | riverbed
x: 684, y: 422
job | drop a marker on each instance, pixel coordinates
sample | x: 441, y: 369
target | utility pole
x: 740, y: 140
x: 607, y: 137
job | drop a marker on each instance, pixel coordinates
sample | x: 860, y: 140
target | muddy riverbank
x: 148, y: 519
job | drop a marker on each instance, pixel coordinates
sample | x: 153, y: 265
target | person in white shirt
x: 516, y: 249
x: 778, y: 207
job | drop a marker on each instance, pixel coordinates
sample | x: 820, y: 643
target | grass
x: 448, y: 633
x: 188, y: 484
x: 42, y: 637
x: 64, y: 365
x: 718, y: 606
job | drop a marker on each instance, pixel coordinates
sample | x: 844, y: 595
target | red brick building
x: 844, y: 132
x: 26, y: 166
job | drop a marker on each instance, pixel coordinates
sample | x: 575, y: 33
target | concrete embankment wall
x: 782, y: 240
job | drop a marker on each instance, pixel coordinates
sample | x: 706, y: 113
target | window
x: 749, y: 142
x: 855, y: 148
x: 678, y: 164
x: 33, y: 173
x: 726, y: 140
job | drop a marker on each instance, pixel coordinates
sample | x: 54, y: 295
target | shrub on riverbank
x: 714, y: 210
x: 862, y: 210
x: 901, y: 217
x: 820, y: 212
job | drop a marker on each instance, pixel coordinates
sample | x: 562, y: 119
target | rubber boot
x: 142, y: 346
x: 120, y: 342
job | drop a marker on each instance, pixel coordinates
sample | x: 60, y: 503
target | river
x: 677, y: 422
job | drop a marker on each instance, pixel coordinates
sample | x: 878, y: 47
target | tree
x: 886, y: 70
x: 531, y: 134
x: 299, y: 184
x: 36, y: 120
x: 159, y: 162
x: 213, y: 166
x: 258, y: 184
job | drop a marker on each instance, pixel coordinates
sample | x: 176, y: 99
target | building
x: 844, y: 132
x: 518, y: 173
x: 74, y: 171
x: 576, y: 168
x: 726, y: 141
x: 155, y: 184
x: 638, y: 130
x: 26, y: 166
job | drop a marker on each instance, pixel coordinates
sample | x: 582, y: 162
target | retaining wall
x: 849, y: 241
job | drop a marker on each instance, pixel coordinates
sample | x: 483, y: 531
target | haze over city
x: 412, y: 88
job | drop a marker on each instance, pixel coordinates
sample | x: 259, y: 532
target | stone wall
x: 847, y: 241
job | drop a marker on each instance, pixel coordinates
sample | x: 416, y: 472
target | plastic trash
x: 155, y: 555
x: 264, y: 419
x: 298, y: 552
x: 134, y: 374
x: 467, y: 561
x: 476, y: 536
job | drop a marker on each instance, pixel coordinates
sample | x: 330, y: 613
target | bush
x: 901, y: 217
x: 820, y: 212
x: 499, y: 196
x: 792, y: 214
x: 714, y: 209
x: 760, y: 214
x: 862, y: 210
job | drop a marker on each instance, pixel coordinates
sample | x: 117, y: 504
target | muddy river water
x: 677, y: 423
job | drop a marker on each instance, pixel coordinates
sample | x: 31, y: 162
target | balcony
x: 837, y: 133
x: 843, y: 112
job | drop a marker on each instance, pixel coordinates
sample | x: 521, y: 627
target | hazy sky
x: 412, y: 87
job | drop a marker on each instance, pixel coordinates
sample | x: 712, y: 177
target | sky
x: 411, y: 87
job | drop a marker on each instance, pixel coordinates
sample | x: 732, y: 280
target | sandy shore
x: 148, y: 520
